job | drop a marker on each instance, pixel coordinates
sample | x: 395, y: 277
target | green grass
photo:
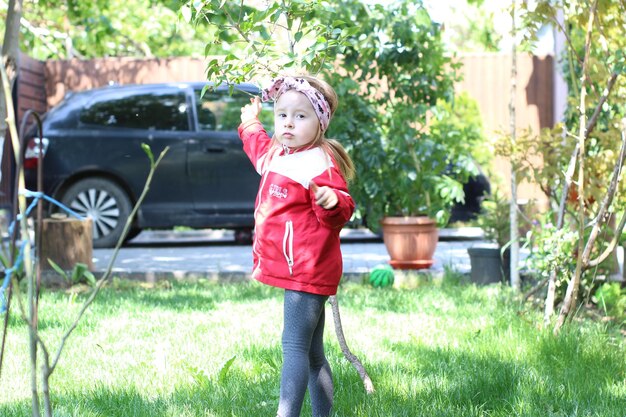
x: 439, y: 349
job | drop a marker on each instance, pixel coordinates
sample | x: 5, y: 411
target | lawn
x: 204, y: 349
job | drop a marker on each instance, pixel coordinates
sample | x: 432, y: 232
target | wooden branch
x: 367, y: 382
x: 571, y: 48
x: 591, y: 124
x: 597, y: 261
x: 238, y: 29
x: 571, y: 295
x: 109, y: 269
x: 535, y: 289
x: 606, y: 202
x: 569, y: 174
x: 601, y: 217
x: 45, y: 380
x: 551, y: 294
x: 28, y: 267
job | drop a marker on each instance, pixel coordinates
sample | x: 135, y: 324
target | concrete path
x: 213, y: 254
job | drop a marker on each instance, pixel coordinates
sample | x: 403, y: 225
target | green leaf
x: 422, y: 18
x: 199, y: 376
x: 78, y: 271
x: 58, y: 269
x: 91, y: 279
x: 148, y: 151
x: 223, y: 373
x: 185, y: 12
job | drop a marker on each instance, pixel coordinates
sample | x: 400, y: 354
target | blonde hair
x: 331, y: 147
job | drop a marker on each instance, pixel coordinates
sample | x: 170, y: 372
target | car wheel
x: 132, y: 233
x: 105, y: 202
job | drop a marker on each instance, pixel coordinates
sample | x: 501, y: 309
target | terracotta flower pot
x: 410, y: 241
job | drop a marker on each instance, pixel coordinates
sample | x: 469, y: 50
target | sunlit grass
x: 441, y: 349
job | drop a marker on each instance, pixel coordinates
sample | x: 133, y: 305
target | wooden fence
x: 486, y: 77
x: 29, y: 93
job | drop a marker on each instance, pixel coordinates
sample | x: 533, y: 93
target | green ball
x: 382, y: 276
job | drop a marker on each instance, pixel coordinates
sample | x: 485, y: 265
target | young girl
x: 302, y: 204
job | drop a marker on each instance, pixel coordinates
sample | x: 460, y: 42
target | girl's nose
x: 288, y: 123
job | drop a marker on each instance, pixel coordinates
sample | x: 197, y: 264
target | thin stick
x: 367, y: 382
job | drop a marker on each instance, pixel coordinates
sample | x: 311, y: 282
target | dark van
x: 94, y: 163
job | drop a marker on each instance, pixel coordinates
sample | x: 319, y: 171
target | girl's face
x: 295, y: 121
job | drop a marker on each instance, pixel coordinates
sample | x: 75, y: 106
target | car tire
x: 132, y: 233
x: 105, y: 202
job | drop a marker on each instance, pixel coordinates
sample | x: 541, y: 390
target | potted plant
x: 490, y: 262
x: 397, y: 122
x: 425, y: 179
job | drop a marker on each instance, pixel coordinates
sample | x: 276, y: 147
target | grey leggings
x: 304, y: 362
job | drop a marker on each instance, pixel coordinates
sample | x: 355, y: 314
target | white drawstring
x: 288, y: 245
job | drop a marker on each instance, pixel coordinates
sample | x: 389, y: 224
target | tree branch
x: 591, y: 124
x: 551, y: 294
x: 602, y: 217
x: 535, y: 289
x: 571, y: 295
x: 109, y: 269
x: 601, y: 258
x: 367, y: 382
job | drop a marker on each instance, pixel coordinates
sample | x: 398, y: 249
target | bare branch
x: 535, y: 289
x: 591, y: 124
x: 571, y: 294
x: 565, y: 33
x: 551, y: 294
x: 606, y: 202
x: 235, y: 25
x: 109, y: 269
x: 367, y: 382
x: 602, y: 213
x: 607, y: 252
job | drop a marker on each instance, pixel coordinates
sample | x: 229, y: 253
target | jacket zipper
x: 288, y: 245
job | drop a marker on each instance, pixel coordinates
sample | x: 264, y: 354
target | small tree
x: 29, y: 308
x: 595, y: 61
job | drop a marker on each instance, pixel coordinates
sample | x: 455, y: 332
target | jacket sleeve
x: 256, y: 142
x: 338, y: 216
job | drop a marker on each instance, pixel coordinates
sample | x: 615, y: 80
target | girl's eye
x: 281, y: 115
x: 301, y: 116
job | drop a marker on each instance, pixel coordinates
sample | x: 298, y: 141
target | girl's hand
x: 251, y: 111
x: 324, y: 196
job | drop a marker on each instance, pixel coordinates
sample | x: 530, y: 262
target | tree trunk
x: 10, y: 61
x: 66, y: 241
x: 514, y: 248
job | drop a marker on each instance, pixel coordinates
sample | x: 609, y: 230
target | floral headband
x: 283, y: 84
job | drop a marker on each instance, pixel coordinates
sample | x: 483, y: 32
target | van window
x: 151, y: 111
x: 218, y: 110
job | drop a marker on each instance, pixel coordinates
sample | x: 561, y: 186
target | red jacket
x: 296, y: 243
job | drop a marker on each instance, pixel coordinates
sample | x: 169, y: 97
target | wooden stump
x: 66, y: 241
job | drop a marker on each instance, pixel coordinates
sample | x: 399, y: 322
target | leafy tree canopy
x: 96, y: 28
